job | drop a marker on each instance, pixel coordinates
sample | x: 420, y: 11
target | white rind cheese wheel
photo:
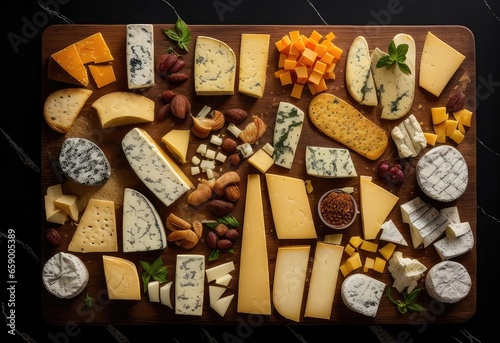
x: 65, y: 275
x: 448, y: 282
x: 362, y: 293
x: 442, y: 173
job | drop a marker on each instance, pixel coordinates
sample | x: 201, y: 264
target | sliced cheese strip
x: 254, y: 51
x: 65, y: 275
x: 289, y: 280
x: 362, y: 294
x: 287, y: 130
x: 122, y: 279
x: 165, y: 294
x: 219, y: 271
x: 448, y: 282
x: 359, y: 77
x: 154, y: 291
x: 63, y: 106
x: 221, y: 305
x: 96, y: 231
x: 329, y: 162
x: 139, y: 53
x: 69, y: 60
x: 154, y: 167
x: 143, y: 228
x: 123, y: 108
x: 189, y: 284
x: 94, y: 49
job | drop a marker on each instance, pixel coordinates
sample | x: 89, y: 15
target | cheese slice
x: 96, y: 231
x: 254, y: 51
x: 289, y: 280
x: 103, y: 74
x: 438, y: 64
x: 139, y: 53
x: 165, y: 294
x: 287, y: 130
x: 325, y: 270
x: 359, y: 77
x: 189, y: 284
x: 376, y: 204
x: 290, y: 207
x: 122, y: 279
x: 221, y: 305
x: 93, y: 49
x: 124, y: 108
x: 69, y: 59
x: 261, y: 160
x: 214, y: 67
x: 254, y: 292
x: 177, y: 142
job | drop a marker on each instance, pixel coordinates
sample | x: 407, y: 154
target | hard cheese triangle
x: 376, y: 204
x: 96, y: 231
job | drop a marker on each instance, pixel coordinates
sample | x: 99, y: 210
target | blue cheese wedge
x: 329, y: 162
x: 287, y: 130
x: 409, y: 137
x: 442, y: 173
x: 395, y: 89
x: 405, y: 271
x: 359, y: 77
x: 189, y: 284
x: 154, y: 167
x: 448, y: 282
x: 362, y: 294
x: 214, y: 67
x: 84, y: 162
x: 65, y: 275
x: 140, y: 56
x: 143, y: 228
x: 391, y: 233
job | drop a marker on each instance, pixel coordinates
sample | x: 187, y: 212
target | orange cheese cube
x: 299, y: 45
x: 302, y: 74
x: 327, y: 59
x: 320, y: 49
x: 369, y: 246
x: 310, y: 85
x: 336, y: 52
x: 329, y: 36
x: 451, y: 126
x: 321, y: 86
x: 289, y: 64
x: 283, y: 44
x: 281, y: 61
x: 316, y: 36
x: 294, y: 35
x: 356, y: 241
x: 328, y: 45
x: 319, y: 67
x: 315, y: 77
x: 308, y: 57
x: 329, y: 76
x: 439, y: 115
x: 103, y: 74
x: 440, y: 130
x: 431, y: 138
x: 349, y: 249
x: 297, y: 90
x: 457, y: 136
x: 286, y: 78
x: 387, y: 250
x: 369, y: 263
x: 311, y: 43
x: 278, y: 72
x: 354, y: 262
x: 465, y: 117
x: 379, y: 264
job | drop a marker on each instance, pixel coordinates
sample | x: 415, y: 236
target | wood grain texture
x: 87, y: 125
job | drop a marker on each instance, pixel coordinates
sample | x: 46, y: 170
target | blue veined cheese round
x: 84, y: 162
x: 442, y: 173
x: 362, y: 293
x: 448, y: 282
x: 65, y: 275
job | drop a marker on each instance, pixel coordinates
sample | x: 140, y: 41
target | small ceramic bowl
x: 339, y: 220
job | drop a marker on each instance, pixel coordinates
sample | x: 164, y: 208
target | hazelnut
x: 234, y: 159
x: 229, y: 145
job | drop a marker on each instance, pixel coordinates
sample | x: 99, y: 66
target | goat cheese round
x: 65, y: 275
x: 448, y: 282
x: 84, y: 162
x: 362, y: 293
x: 442, y: 173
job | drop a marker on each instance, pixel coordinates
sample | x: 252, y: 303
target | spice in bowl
x: 337, y: 209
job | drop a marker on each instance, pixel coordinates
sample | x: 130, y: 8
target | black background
x: 23, y: 23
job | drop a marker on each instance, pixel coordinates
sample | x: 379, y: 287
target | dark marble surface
x: 23, y: 23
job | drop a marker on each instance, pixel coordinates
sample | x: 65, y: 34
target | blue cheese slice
x: 391, y: 233
x: 448, y: 282
x: 362, y: 294
x: 140, y: 56
x: 359, y: 77
x: 65, y: 275
x: 143, y: 228
x: 287, y: 130
x: 214, y: 67
x: 189, y: 284
x: 154, y: 167
x: 405, y: 271
x: 442, y: 173
x: 84, y: 162
x: 395, y: 89
x: 409, y: 137
x: 329, y: 162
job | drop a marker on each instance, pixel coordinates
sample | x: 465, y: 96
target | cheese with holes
x: 177, y: 142
x: 438, y: 64
x: 124, y: 108
x: 359, y: 77
x: 289, y: 280
x: 376, y: 204
x: 329, y: 162
x: 122, y: 278
x: 254, y: 51
x: 63, y: 106
x: 448, y: 282
x: 69, y: 60
x: 290, y: 207
x: 154, y: 167
x: 395, y: 89
x: 254, y: 292
x: 96, y: 231
x: 143, y: 228
x: 65, y: 275
x: 83, y: 162
x: 362, y: 294
x: 214, y: 67
x: 287, y: 130
x: 324, y: 275
x: 139, y: 53
x: 189, y: 284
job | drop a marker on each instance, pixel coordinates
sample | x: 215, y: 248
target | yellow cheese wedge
x: 379, y: 264
x: 324, y: 275
x: 54, y: 214
x: 177, y: 142
x: 69, y: 59
x: 124, y: 108
x: 122, y: 279
x: 254, y: 51
x: 376, y: 204
x: 254, y: 292
x: 96, y: 231
x: 68, y: 203
x: 290, y: 207
x: 261, y: 160
x: 103, y: 74
x: 289, y: 280
x: 387, y: 250
x: 369, y: 263
x: 94, y: 49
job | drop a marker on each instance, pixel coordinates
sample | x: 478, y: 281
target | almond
x: 236, y: 115
x: 177, y: 77
x: 180, y: 106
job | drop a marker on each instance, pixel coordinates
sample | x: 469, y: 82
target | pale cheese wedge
x: 177, y: 142
x: 359, y: 78
x: 68, y: 203
x: 221, y: 305
x: 123, y: 108
x: 63, y: 106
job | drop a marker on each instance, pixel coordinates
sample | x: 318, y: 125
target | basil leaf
x: 392, y: 50
x: 404, y: 68
x: 401, y: 51
x: 412, y: 297
x: 416, y: 307
x: 172, y: 34
x: 214, y: 255
x: 146, y: 266
x: 229, y: 220
x: 385, y: 61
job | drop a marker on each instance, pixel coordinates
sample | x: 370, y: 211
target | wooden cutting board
x: 87, y: 125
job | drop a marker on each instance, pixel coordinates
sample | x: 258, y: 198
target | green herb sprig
x: 89, y: 301
x: 408, y: 302
x: 397, y: 55
x: 180, y: 34
x: 227, y: 220
x: 156, y: 270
